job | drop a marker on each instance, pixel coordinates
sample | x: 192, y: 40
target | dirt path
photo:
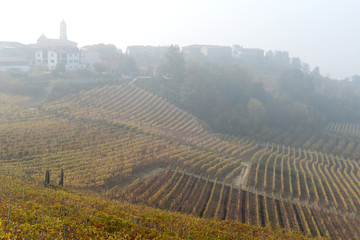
x: 137, y: 78
x: 240, y: 180
x: 150, y: 173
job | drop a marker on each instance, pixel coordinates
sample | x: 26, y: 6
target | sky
x: 322, y: 33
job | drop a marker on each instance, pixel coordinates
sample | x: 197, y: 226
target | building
x: 89, y: 58
x: 148, y: 58
x: 213, y: 52
x: 46, y: 53
x: 193, y: 51
x: 14, y: 56
x: 248, y: 53
x: 49, y: 52
x: 216, y: 52
x: 148, y: 54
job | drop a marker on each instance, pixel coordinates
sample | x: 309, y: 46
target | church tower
x: 63, y: 35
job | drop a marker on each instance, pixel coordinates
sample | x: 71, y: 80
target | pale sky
x: 323, y: 33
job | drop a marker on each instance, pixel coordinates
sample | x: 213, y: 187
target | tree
x: 282, y: 57
x: 106, y: 51
x: 59, y: 68
x: 41, y: 67
x: 100, y: 67
x: 295, y: 83
x: 128, y: 65
x: 174, y: 64
x: 356, y: 80
x: 256, y: 110
x: 61, y: 182
x: 296, y: 63
x: 47, y: 178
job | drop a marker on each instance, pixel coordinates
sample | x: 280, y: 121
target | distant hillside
x: 248, y: 98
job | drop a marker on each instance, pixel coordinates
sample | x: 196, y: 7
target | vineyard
x: 137, y: 147
x: 338, y: 139
x: 347, y: 129
x: 197, y: 195
x: 96, y: 153
x: 321, y: 178
x: 28, y: 211
x: 126, y: 104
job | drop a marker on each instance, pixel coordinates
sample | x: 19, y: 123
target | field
x: 131, y: 146
x: 29, y: 211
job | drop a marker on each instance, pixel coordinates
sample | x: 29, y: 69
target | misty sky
x: 323, y: 33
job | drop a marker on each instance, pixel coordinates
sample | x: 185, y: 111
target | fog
x: 321, y: 33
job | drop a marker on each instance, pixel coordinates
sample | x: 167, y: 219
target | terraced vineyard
x: 327, y: 180
x: 116, y: 161
x: 30, y: 211
x: 118, y: 137
x: 126, y: 104
x: 348, y: 129
x: 14, y: 99
x: 331, y: 141
x: 187, y: 193
x: 96, y: 153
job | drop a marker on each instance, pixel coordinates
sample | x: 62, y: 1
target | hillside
x: 272, y: 94
x: 131, y: 145
x: 30, y: 211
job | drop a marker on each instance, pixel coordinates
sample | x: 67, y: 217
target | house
x: 193, y: 51
x: 213, y: 52
x: 147, y: 57
x: 89, y: 57
x: 14, y: 56
x: 248, y: 53
x: 148, y: 54
x: 49, y: 52
x: 216, y: 52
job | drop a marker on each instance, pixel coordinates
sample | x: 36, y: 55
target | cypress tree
x: 61, y: 182
x: 47, y: 178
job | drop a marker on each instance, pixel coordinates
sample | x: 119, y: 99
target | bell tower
x: 63, y: 35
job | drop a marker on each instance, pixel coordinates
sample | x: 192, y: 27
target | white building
x: 50, y: 52
x: 46, y: 53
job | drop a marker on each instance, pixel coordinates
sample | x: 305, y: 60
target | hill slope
x: 28, y: 211
x: 107, y: 137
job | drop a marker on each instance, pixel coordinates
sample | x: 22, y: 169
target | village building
x: 216, y: 52
x: 147, y: 57
x: 46, y: 53
x: 212, y: 52
x: 247, y: 53
x: 14, y: 56
x: 50, y: 52
x: 89, y: 58
x: 193, y: 51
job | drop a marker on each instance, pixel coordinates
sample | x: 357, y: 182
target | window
x: 70, y: 61
x: 52, y: 61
